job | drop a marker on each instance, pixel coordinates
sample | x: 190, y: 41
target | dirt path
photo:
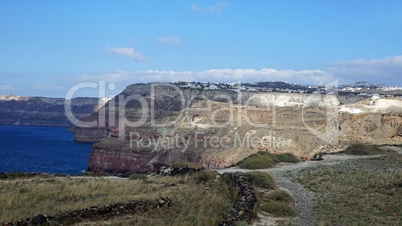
x: 304, y: 198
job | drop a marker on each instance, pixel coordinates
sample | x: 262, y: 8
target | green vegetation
x: 264, y: 160
x: 205, y: 176
x: 279, y: 196
x: 287, y: 157
x: 259, y: 160
x: 261, y: 179
x: 194, y: 204
x: 138, y: 177
x: 19, y: 175
x: 16, y: 174
x: 278, y: 203
x: 278, y: 209
x: 92, y: 174
x: 241, y: 223
x: 364, y: 149
x: 364, y: 191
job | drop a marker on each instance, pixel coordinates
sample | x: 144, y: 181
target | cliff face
x: 41, y: 111
x: 214, y: 133
x: 169, y: 102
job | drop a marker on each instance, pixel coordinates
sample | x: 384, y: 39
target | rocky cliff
x: 41, y: 111
x: 214, y: 132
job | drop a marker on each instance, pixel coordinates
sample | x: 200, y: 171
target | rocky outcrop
x: 376, y: 105
x: 41, y: 111
x: 174, y: 171
x: 369, y: 128
x: 351, y: 99
x: 214, y: 132
x: 168, y: 103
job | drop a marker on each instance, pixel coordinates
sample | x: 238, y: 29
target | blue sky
x: 46, y: 47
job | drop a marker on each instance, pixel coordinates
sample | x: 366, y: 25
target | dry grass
x: 275, y: 207
x: 202, y: 204
x: 261, y: 180
x: 138, y: 177
x: 357, y: 192
x: 278, y: 209
x: 280, y: 196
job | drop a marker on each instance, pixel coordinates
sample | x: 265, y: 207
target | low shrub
x: 16, y: 174
x: 259, y: 160
x: 364, y: 149
x: 280, y: 196
x: 279, y: 209
x: 205, y: 176
x: 265, y: 153
x: 287, y: 157
x: 138, y: 177
x: 261, y: 179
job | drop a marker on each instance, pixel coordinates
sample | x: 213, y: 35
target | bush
x: 261, y: 179
x: 205, y: 176
x: 287, y: 157
x: 279, y: 209
x: 138, y: 177
x: 16, y: 174
x: 364, y: 149
x: 265, y: 153
x: 280, y: 196
x: 259, y: 160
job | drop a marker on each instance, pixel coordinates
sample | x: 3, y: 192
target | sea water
x: 41, y: 149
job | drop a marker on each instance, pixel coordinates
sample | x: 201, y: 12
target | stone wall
x: 114, y: 209
x: 244, y: 206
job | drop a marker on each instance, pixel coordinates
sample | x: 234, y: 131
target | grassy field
x: 196, y: 203
x: 357, y: 192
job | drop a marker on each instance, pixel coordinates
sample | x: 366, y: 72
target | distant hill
x: 365, y: 85
x: 42, y: 111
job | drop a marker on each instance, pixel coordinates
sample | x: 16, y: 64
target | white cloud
x: 393, y: 60
x: 6, y: 87
x: 195, y: 7
x: 169, y: 40
x: 386, y: 71
x: 217, y: 8
x: 375, y: 70
x: 128, y: 52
